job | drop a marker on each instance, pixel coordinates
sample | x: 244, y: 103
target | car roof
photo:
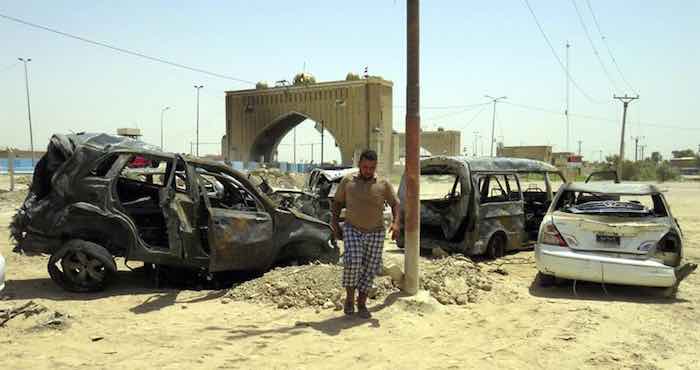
x: 486, y: 164
x: 613, y: 188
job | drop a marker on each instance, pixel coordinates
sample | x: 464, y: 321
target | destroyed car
x: 611, y: 233
x: 480, y: 206
x: 318, y: 193
x: 89, y: 202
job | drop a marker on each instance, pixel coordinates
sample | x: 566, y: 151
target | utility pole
x: 493, y: 120
x: 636, y: 146
x: 161, y: 126
x: 568, y: 82
x: 476, y: 135
x: 625, y: 102
x: 412, y: 170
x: 294, y: 138
x: 197, y: 139
x: 322, y: 129
x: 642, y: 148
x: 579, y: 146
x: 29, y: 108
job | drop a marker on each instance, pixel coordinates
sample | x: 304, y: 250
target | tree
x: 683, y: 153
x: 352, y: 77
x: 656, y: 157
x: 304, y: 79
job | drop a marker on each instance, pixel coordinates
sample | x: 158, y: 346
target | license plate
x: 608, y: 239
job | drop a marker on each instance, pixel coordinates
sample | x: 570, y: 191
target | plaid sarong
x: 363, y: 257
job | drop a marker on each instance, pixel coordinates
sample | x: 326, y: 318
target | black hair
x: 369, y: 155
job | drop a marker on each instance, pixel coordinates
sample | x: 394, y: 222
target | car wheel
x: 496, y: 247
x: 545, y: 280
x: 82, y: 266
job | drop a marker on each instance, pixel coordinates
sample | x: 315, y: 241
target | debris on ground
x: 316, y: 285
x: 42, y: 317
x: 278, y: 179
x: 454, y: 280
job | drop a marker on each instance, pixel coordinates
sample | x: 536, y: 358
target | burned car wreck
x: 97, y: 196
x: 480, y: 206
x: 318, y: 193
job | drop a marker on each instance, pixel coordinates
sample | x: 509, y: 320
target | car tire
x: 85, y: 266
x: 545, y: 280
x: 496, y: 247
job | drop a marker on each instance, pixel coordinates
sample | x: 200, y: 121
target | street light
x: 161, y: 126
x: 493, y: 121
x: 197, y: 138
x: 29, y: 109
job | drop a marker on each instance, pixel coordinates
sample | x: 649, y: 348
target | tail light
x: 552, y: 236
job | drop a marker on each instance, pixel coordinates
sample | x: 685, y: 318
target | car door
x: 240, y: 229
x: 501, y: 207
x: 179, y: 203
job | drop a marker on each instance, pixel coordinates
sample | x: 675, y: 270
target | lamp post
x: 493, y: 120
x: 161, y: 126
x: 29, y: 108
x: 197, y: 134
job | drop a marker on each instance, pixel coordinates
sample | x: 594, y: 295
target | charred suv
x: 96, y: 196
x: 611, y: 233
x: 482, y: 205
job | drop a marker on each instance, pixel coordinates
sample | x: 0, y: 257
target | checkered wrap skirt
x: 363, y: 257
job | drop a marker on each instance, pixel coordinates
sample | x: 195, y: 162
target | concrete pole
x: 161, y: 126
x: 11, y: 167
x: 198, y: 87
x: 29, y: 107
x: 625, y: 102
x: 412, y: 171
x: 294, y: 145
x: 322, y: 129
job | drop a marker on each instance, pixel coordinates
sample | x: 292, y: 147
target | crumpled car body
x: 136, y: 202
x: 317, y: 196
x: 477, y: 206
x: 611, y: 233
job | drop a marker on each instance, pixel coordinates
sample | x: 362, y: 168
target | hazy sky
x: 468, y: 49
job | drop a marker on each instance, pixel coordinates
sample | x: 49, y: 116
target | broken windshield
x: 612, y: 205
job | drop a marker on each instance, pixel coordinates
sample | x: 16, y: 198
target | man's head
x: 368, y: 163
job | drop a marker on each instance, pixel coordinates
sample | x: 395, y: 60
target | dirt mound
x: 454, y: 280
x: 315, y: 286
x: 278, y: 179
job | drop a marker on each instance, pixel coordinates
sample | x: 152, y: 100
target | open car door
x: 240, y: 230
x: 177, y: 204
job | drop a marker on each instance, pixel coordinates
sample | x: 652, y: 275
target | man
x: 363, y: 196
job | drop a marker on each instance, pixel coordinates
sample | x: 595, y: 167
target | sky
x: 468, y: 49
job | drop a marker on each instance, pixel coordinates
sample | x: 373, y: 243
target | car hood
x: 304, y: 217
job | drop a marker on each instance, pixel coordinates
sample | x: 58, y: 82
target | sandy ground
x: 516, y: 325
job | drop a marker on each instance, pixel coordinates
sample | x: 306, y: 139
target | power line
x: 595, y: 50
x: 452, y: 114
x: 602, y: 119
x: 475, y: 116
x: 556, y: 56
x: 437, y: 107
x: 607, y: 46
x: 125, y: 51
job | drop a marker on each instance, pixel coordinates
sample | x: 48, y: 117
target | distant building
x: 133, y: 133
x: 686, y: 165
x: 440, y: 142
x: 537, y: 152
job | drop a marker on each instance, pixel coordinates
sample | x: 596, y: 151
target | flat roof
x: 326, y: 84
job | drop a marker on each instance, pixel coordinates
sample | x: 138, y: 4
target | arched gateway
x: 357, y: 113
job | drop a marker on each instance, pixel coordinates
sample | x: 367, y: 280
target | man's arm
x: 393, y: 201
x: 336, y: 207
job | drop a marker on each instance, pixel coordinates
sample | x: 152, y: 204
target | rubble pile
x: 278, y: 179
x: 317, y: 286
x: 454, y: 280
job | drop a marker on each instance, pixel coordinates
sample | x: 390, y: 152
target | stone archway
x: 267, y: 140
x: 358, y: 114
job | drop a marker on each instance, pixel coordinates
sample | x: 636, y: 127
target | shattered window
x: 145, y: 169
x: 439, y: 186
x: 492, y: 189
